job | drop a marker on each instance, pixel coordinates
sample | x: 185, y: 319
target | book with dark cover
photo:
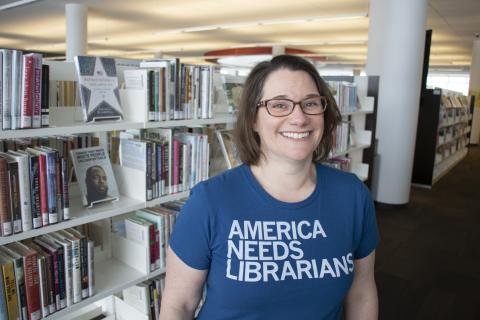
x: 45, y: 275
x: 37, y: 91
x: 14, y: 181
x: 5, y: 212
x: 45, y: 101
x: 99, y: 92
x: 51, y: 175
x: 43, y: 190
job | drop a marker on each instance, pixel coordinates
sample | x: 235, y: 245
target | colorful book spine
x: 35, y: 191
x: 37, y: 91
x: 5, y: 213
x: 45, y: 104
x: 32, y: 286
x: 27, y: 90
x: 10, y: 289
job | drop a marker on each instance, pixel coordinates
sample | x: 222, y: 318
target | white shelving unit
x: 110, y: 273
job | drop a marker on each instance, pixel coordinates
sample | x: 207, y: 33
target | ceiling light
x: 248, y: 24
x: 16, y: 4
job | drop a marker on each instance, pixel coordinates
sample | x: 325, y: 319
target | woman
x: 281, y: 236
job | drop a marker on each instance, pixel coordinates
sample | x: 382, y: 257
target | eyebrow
x: 283, y: 96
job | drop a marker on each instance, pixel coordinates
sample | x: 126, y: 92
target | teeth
x: 295, y: 135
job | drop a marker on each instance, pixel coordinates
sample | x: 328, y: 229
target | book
x: 11, y: 293
x: 5, y: 211
x: 19, y: 279
x: 84, y: 265
x: 99, y: 92
x: 16, y: 89
x: 32, y: 281
x: 229, y: 149
x: 46, y: 281
x: 95, y: 176
x: 67, y: 250
x: 143, y: 232
x: 6, y: 89
x: 45, y: 101
x: 3, y: 296
x: 14, y: 181
x: 76, y: 264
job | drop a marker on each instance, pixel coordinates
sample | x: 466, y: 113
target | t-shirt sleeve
x: 369, y: 237
x: 190, y: 238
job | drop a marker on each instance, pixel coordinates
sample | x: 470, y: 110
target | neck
x: 288, y: 182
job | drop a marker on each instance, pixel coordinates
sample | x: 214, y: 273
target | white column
x: 474, y: 90
x: 76, y: 30
x: 278, y: 50
x: 396, y: 41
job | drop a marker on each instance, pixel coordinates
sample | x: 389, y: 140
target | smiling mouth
x: 295, y: 135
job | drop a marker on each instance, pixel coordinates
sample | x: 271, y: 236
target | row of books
x: 454, y: 101
x: 172, y: 90
x: 23, y: 90
x: 151, y: 228
x: 449, y: 148
x: 146, y: 297
x: 342, y: 138
x: 45, y: 275
x: 173, y: 160
x: 341, y: 163
x: 34, y: 182
x: 449, y: 116
x: 345, y: 94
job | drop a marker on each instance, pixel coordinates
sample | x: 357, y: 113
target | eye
x: 278, y: 104
x: 312, y: 103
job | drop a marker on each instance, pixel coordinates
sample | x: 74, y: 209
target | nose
x: 297, y: 116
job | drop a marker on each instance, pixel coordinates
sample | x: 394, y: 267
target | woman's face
x: 296, y: 136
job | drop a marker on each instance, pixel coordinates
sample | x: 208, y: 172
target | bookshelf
x: 443, y: 133
x: 362, y: 154
x: 111, y: 274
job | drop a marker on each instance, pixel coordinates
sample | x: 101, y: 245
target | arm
x: 183, y: 289
x: 361, y: 302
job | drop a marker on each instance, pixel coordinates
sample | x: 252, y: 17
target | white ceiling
x: 139, y: 29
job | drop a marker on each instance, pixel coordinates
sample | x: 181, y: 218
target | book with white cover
x: 24, y: 185
x: 95, y: 176
x: 99, y: 91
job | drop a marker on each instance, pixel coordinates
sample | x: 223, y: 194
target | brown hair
x: 247, y: 140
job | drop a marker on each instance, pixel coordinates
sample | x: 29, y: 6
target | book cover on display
x: 99, y: 92
x: 95, y: 176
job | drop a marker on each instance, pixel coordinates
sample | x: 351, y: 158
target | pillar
x: 396, y: 40
x: 474, y: 90
x: 76, y: 30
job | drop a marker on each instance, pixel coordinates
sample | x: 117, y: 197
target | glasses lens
x: 278, y: 107
x: 314, y: 105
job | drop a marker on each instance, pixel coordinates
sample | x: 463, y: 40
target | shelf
x: 443, y: 167
x: 111, y: 276
x: 445, y: 125
x: 74, y: 129
x: 168, y: 198
x: 81, y: 215
x: 191, y: 122
x: 350, y: 150
x: 358, y: 112
x: 452, y: 139
x: 111, y: 126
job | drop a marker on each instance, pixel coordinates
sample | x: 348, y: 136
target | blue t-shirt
x: 269, y: 259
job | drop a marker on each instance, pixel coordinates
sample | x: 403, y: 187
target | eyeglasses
x: 283, y: 107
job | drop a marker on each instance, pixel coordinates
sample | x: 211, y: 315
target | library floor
x: 428, y: 261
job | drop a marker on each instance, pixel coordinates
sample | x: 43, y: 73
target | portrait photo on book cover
x: 95, y: 176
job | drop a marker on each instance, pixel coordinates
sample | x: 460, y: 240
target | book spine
x: 51, y: 188
x: 162, y: 243
x: 176, y: 159
x: 44, y: 290
x: 149, y: 184
x: 37, y: 91
x: 162, y: 98
x: 10, y: 291
x: 52, y: 306
x: 84, y: 266
x: 27, y: 91
x: 65, y: 189
x: 3, y: 298
x: 1, y: 90
x: 43, y: 189
x: 154, y: 170
x: 61, y: 277
x: 156, y: 94
x: 91, y: 279
x: 150, y: 94
x: 158, y: 168
x: 7, y: 89
x: 5, y: 213
x: 76, y: 272
x: 45, y: 102
x: 20, y: 285
x: 58, y: 185
x: 152, y: 247
x: 32, y: 286
x: 16, y: 88
x: 67, y: 249
x: 157, y: 247
x: 15, y: 197
x: 25, y: 192
x: 35, y: 192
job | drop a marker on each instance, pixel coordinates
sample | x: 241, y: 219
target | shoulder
x: 223, y: 182
x: 339, y: 182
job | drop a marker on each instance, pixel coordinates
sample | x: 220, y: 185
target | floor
x: 428, y: 261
